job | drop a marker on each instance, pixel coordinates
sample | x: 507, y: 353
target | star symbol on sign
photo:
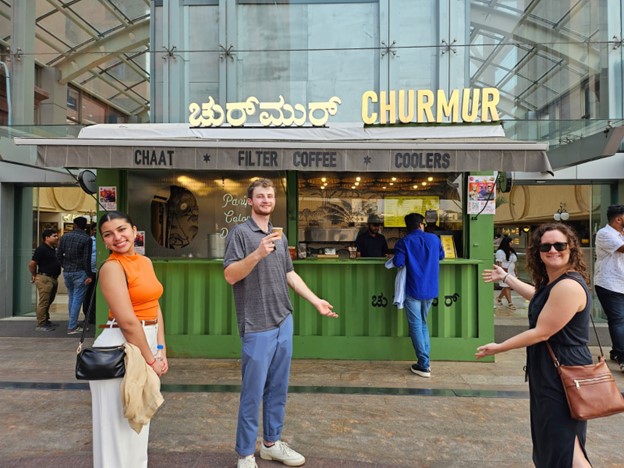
x: 206, y: 157
x: 367, y: 159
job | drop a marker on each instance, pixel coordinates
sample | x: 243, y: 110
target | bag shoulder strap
x: 89, y: 310
x: 90, y: 307
x: 552, y: 355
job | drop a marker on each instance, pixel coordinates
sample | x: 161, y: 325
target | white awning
x: 444, y: 148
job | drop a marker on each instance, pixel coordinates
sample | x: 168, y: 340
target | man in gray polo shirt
x: 258, y: 266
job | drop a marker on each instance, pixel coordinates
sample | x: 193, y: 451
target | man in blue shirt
x: 420, y: 252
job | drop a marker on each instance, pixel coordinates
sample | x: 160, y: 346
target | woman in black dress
x: 558, y: 312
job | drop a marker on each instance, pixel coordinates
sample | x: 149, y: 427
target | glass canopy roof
x: 100, y: 46
x: 532, y: 51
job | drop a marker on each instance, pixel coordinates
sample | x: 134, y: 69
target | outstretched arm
x: 566, y: 299
x: 499, y: 274
x: 298, y: 285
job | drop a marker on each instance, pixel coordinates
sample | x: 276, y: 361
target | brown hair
x: 264, y: 183
x: 535, y: 265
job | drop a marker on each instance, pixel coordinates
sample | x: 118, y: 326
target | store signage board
x: 333, y: 158
x: 403, y: 106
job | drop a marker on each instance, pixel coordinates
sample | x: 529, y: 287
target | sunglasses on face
x: 559, y: 247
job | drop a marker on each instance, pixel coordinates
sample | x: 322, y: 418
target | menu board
x: 448, y: 244
x: 395, y: 208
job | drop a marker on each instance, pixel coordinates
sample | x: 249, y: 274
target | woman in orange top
x: 131, y: 290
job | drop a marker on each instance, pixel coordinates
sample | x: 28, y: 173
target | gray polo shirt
x: 261, y: 298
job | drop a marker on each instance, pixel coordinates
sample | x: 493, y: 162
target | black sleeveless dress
x: 552, y: 429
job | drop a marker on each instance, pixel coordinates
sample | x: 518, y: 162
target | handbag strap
x: 89, y: 310
x: 552, y: 354
x: 90, y: 307
x: 596, y: 332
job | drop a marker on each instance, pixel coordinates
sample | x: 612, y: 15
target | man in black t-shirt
x: 372, y: 243
x: 45, y: 270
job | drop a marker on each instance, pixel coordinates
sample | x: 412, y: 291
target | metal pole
x: 8, y: 88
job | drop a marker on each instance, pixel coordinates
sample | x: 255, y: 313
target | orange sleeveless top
x: 143, y: 286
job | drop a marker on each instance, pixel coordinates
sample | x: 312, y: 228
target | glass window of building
x: 335, y: 207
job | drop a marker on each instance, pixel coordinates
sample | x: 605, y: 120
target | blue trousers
x: 266, y: 360
x: 613, y: 305
x: 76, y: 290
x: 417, y: 311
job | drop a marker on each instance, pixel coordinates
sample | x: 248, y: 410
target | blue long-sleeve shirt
x: 420, y: 252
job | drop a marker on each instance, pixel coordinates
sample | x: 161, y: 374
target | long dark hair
x: 506, y: 247
x: 110, y: 215
x: 535, y: 265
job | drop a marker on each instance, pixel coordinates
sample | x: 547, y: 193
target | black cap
x: 374, y: 219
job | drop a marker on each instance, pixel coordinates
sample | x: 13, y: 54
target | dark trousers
x: 613, y: 305
x: 85, y: 304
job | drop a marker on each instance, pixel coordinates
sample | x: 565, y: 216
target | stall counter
x: 200, y: 317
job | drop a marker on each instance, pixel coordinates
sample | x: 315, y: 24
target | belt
x: 48, y: 275
x: 116, y: 325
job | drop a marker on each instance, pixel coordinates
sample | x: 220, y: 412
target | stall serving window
x: 335, y: 207
x: 189, y: 213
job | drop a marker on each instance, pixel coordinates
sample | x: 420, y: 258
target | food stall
x: 186, y: 187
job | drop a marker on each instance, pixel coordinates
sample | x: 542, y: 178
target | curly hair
x: 535, y: 265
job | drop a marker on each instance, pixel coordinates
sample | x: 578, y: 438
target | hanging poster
x: 481, y: 195
x: 108, y: 198
x: 139, y: 243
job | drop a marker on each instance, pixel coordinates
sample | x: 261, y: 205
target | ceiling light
x: 394, y: 178
x: 323, y: 179
x: 423, y: 183
x: 430, y: 179
x: 358, y: 178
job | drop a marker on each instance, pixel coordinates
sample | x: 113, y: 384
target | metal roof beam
x: 103, y: 50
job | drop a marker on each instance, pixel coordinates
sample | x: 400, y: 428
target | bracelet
x: 151, y: 363
x: 505, y: 277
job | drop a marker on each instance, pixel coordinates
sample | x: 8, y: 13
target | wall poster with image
x: 139, y: 243
x: 481, y: 195
x: 108, y: 197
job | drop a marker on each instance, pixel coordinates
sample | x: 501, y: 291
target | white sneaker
x: 248, y: 462
x: 280, y: 451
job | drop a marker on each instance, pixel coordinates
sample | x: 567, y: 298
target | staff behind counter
x: 371, y: 242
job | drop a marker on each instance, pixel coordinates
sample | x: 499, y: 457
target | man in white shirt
x: 609, y: 277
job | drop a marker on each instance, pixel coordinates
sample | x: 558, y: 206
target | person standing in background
x: 609, y: 278
x: 372, y: 243
x: 74, y: 255
x: 92, y: 231
x: 44, y: 270
x: 506, y: 258
x: 420, y: 253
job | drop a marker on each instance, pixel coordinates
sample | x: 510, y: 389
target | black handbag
x: 99, y: 362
